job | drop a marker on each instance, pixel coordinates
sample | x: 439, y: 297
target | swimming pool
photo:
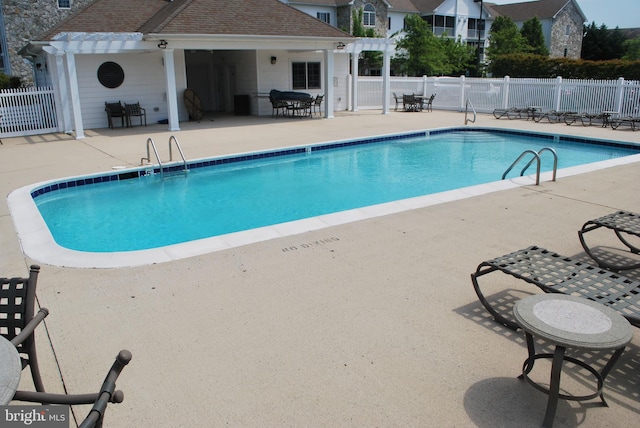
x: 263, y: 195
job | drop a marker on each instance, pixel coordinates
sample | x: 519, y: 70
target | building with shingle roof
x: 151, y: 51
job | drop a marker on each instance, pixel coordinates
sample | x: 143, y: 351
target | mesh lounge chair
x: 553, y: 273
x: 18, y: 321
x: 115, y: 110
x: 99, y: 400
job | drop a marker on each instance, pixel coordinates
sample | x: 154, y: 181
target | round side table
x: 10, y: 370
x: 569, y: 321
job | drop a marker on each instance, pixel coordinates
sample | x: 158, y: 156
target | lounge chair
x: 631, y: 121
x: 553, y: 116
x: 622, y: 223
x: 18, y: 320
x: 100, y: 400
x: 586, y: 119
x: 553, y: 273
x: 115, y: 110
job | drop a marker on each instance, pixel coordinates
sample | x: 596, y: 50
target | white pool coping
x: 38, y: 243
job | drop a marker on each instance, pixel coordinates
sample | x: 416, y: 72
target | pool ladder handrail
x: 152, y: 144
x: 536, y: 157
x: 466, y: 112
x: 175, y: 140
x: 155, y: 150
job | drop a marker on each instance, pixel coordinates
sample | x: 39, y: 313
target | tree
x: 632, y: 49
x: 422, y: 51
x: 601, y: 44
x: 531, y: 32
x: 368, y: 59
x: 459, y: 56
x: 505, y: 38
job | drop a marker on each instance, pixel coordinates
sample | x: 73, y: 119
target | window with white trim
x: 369, y: 16
x: 324, y: 17
x: 64, y: 4
x: 306, y: 75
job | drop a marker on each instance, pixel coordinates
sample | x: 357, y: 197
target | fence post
x: 462, y: 90
x: 424, y: 85
x: 505, y: 91
x: 558, y: 93
x: 619, y: 92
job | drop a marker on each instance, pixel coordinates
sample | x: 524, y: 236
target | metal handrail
x: 555, y: 162
x: 537, y: 157
x: 148, y: 158
x: 175, y: 140
x: 466, y: 111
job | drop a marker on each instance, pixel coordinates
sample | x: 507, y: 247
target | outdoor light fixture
x: 273, y: 59
x: 341, y: 45
x: 163, y: 44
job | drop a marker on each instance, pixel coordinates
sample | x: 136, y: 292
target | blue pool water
x: 135, y: 210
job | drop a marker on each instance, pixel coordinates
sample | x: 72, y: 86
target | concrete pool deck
x: 370, y: 323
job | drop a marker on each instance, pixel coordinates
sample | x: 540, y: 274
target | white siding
x: 144, y: 82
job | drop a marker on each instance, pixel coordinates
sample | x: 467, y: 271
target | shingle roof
x: 215, y: 17
x: 543, y: 9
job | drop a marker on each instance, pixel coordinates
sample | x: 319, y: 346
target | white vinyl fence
x: 27, y: 111
x: 486, y: 95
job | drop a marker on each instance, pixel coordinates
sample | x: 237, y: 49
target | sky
x: 612, y: 13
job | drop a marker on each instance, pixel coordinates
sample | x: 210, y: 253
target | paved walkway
x: 372, y: 323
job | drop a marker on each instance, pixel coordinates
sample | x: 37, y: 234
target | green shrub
x: 528, y: 65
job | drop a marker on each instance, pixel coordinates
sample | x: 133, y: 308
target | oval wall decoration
x: 110, y: 75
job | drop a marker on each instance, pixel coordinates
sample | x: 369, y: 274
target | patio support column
x: 172, y: 98
x: 354, y: 76
x: 74, y: 94
x: 328, y: 83
x: 386, y: 81
x: 60, y: 89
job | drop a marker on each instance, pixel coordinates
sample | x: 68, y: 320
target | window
x: 64, y: 4
x: 567, y: 30
x: 473, y: 27
x: 442, y: 25
x: 566, y: 51
x: 110, y: 75
x: 306, y: 75
x: 369, y: 16
x: 324, y: 17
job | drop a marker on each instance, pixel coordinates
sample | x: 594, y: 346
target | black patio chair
x: 100, y: 400
x: 18, y: 321
x: 134, y: 110
x: 115, y: 110
x: 317, y: 102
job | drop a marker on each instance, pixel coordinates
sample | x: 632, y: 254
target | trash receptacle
x: 241, y: 105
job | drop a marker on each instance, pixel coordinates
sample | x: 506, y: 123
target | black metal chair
x: 134, y: 110
x: 115, y: 110
x: 100, y: 400
x: 428, y: 103
x: 18, y: 321
x: 398, y: 100
x: 317, y: 103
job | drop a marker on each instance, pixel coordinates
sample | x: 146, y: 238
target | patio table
x: 10, y: 370
x: 606, y: 117
x: 574, y: 322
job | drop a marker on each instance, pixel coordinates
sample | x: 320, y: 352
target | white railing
x: 27, y: 111
x: 486, y: 95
